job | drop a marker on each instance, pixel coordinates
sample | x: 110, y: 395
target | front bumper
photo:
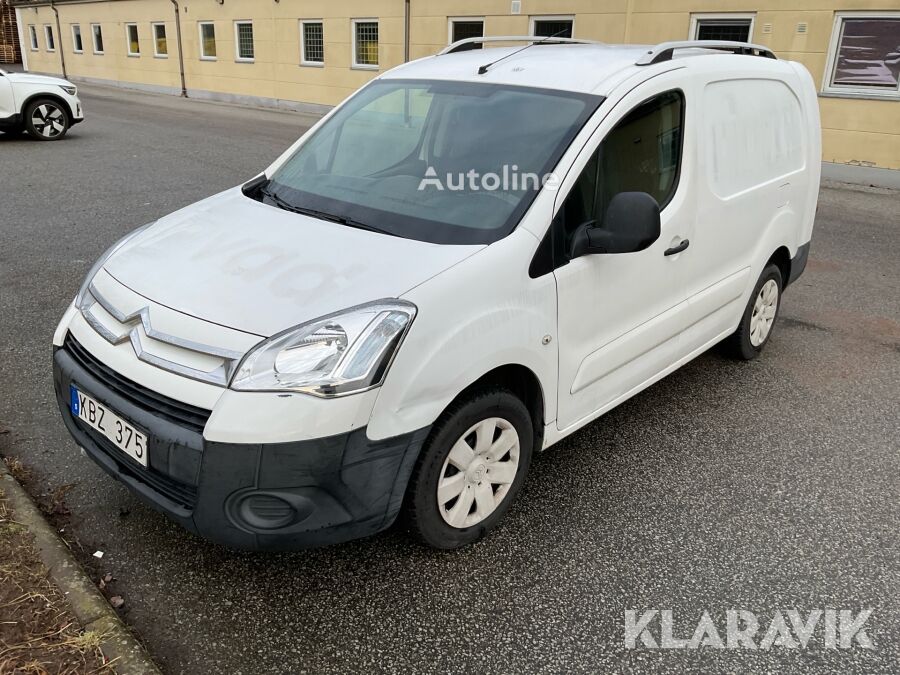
x: 76, y: 111
x: 247, y: 496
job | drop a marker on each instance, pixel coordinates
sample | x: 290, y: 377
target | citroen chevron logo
x: 139, y: 319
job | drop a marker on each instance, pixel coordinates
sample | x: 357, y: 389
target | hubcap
x: 48, y: 120
x: 763, y: 313
x: 478, y: 472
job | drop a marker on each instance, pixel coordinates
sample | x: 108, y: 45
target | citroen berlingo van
x: 472, y: 257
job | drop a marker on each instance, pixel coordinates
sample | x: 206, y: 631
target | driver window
x: 641, y: 154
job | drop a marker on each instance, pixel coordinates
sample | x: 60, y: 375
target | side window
x: 641, y: 154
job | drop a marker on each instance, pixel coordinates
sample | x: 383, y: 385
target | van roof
x: 578, y: 67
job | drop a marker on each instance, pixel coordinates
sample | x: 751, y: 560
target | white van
x: 472, y: 257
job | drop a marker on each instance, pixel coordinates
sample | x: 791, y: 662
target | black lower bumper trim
x: 251, y: 496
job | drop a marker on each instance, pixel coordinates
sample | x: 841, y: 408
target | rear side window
x: 754, y: 134
x: 641, y: 154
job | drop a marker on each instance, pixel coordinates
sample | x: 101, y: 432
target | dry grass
x: 38, y: 634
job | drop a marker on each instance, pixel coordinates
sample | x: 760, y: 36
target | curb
x: 87, y: 603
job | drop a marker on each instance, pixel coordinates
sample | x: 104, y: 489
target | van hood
x: 249, y: 266
x: 28, y: 78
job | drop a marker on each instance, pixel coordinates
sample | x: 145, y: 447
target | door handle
x: 678, y: 249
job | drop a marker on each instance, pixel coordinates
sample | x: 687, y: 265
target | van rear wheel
x: 755, y: 329
x: 471, y: 469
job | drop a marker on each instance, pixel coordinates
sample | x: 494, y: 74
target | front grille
x: 184, y: 415
x: 180, y: 493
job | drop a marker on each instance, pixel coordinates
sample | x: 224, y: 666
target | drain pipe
x: 406, y: 31
x: 62, y: 52
x: 180, y: 52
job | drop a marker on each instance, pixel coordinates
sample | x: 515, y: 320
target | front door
x: 620, y: 315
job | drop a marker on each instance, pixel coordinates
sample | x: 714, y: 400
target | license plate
x: 97, y: 416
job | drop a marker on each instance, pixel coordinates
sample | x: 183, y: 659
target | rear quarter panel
x: 760, y: 166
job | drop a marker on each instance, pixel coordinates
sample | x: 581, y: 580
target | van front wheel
x: 471, y: 469
x: 759, y: 316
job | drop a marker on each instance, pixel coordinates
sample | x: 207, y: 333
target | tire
x: 758, y: 321
x: 46, y: 119
x: 467, y: 517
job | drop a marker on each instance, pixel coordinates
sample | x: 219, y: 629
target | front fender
x: 481, y: 314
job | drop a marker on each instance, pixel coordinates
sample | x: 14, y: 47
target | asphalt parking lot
x: 759, y: 486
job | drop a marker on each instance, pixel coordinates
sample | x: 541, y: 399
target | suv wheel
x: 46, y: 120
x: 759, y: 317
x: 471, y: 469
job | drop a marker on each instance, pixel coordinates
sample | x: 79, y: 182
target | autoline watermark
x: 789, y: 629
x: 509, y: 179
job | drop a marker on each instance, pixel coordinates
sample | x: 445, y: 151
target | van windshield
x: 437, y: 161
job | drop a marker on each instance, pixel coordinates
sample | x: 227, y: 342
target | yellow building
x: 310, y: 54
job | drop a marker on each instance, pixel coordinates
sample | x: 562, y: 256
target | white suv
x: 472, y: 257
x: 45, y: 107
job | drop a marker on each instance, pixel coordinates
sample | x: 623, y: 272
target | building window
x: 77, y: 44
x: 312, y: 43
x: 553, y: 26
x: 243, y: 40
x: 160, y: 44
x: 97, y: 35
x: 365, y: 43
x: 131, y: 37
x: 48, y: 35
x: 466, y: 27
x: 864, y: 58
x: 208, y: 41
x: 32, y: 33
x: 730, y: 27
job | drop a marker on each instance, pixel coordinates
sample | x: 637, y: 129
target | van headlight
x: 342, y: 353
x: 101, y: 261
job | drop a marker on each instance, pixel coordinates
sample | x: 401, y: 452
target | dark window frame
x: 462, y: 21
x: 558, y: 20
x: 724, y: 25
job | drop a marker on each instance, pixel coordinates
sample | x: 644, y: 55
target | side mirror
x: 631, y: 224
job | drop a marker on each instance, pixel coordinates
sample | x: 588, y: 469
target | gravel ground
x: 758, y: 486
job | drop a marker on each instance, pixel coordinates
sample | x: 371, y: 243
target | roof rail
x: 665, y: 50
x: 461, y: 45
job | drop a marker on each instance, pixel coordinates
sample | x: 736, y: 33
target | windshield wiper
x: 322, y: 215
x: 278, y: 201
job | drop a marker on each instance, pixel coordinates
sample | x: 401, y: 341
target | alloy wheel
x: 48, y: 120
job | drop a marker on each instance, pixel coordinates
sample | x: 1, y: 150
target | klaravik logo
x: 789, y: 629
